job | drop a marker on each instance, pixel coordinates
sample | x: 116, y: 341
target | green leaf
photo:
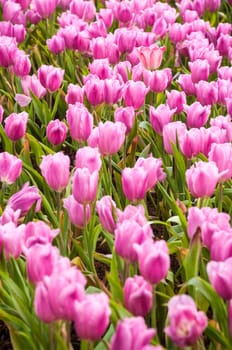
x: 114, y: 280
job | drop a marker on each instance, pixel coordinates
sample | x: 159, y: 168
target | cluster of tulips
x: 115, y: 127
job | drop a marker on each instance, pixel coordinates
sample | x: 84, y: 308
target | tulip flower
x: 15, y: 125
x: 56, y: 132
x: 151, y: 57
x: 10, y: 167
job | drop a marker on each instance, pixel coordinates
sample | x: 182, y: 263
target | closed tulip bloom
x: 96, y: 305
x: 85, y: 10
x: 15, y: 125
x: 50, y: 77
x: 9, y: 215
x: 127, y: 234
x: 134, y: 183
x: 75, y: 94
x: 80, y: 122
x: 176, y: 99
x: 101, y: 68
x: 125, y: 39
x: 138, y: 295
x: 84, y: 186
x: 65, y: 289
x: 186, y: 324
x: 209, y: 220
x: 55, y: 170
x: 45, y: 8
x: 10, y: 167
x: 76, y: 212
x: 153, y: 167
x: 22, y: 64
x: 112, y: 91
x: 157, y: 80
x: 207, y: 93
x: 125, y: 115
x: 192, y: 143
x: 106, y: 14
x: 56, y: 44
x: 24, y: 199
x: 8, y: 49
x: 134, y: 93
x: 41, y: 302
x: 186, y: 84
x: 221, y: 245
x: 32, y: 84
x: 94, y: 90
x: 160, y: 116
x: 221, y: 154
x: 41, y: 261
x: 199, y: 70
x: 220, y: 274
x: 88, y: 157
x: 11, y: 239
x: 134, y: 213
x: 111, y: 137
x: 151, y: 57
x: 154, y: 260
x: 223, y: 123
x: 131, y: 334
x: 56, y: 132
x: 38, y: 233
x: 171, y: 132
x: 106, y: 209
x: 197, y: 115
x: 202, y: 179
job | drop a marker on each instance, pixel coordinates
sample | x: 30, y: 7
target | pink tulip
x: 171, y: 132
x: 176, y: 99
x: 94, y: 90
x: 45, y: 8
x: 50, y: 77
x: 134, y: 183
x: 76, y: 212
x: 80, y: 122
x: 137, y: 295
x: 41, y: 302
x: 192, y: 143
x: 186, y: 324
x: 88, y: 157
x: 15, y: 125
x: 10, y: 167
x: 151, y: 57
x: 133, y: 213
x: 202, y: 179
x: 84, y: 186
x: 125, y: 39
x: 154, y: 260
x: 83, y: 9
x: 207, y: 93
x: 134, y: 94
x: 106, y: 209
x: 221, y: 154
x: 56, y: 132
x: 186, y: 84
x: 38, y: 233
x: 157, y: 80
x: 24, y: 199
x: 224, y: 123
x: 220, y: 274
x: 209, y: 221
x: 160, y: 116
x: 221, y: 245
x: 132, y: 334
x: 101, y: 68
x: 92, y: 328
x: 11, y: 239
x: 32, y: 84
x: 65, y: 289
x: 153, y: 167
x: 127, y: 234
x: 199, y: 70
x: 197, y: 115
x: 112, y: 91
x: 8, y: 49
x: 41, y: 261
x: 22, y: 64
x: 55, y: 170
x: 125, y: 115
x: 10, y: 215
x: 56, y: 44
x: 75, y: 94
x: 111, y: 137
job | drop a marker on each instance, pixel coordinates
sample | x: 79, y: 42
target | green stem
x: 153, y: 310
x: 126, y: 271
x: 124, y: 153
x: 220, y: 197
x: 2, y: 193
x: 52, y: 335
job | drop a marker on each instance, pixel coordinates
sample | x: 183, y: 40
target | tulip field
x: 116, y: 174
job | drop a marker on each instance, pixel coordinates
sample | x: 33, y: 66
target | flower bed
x: 115, y: 170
